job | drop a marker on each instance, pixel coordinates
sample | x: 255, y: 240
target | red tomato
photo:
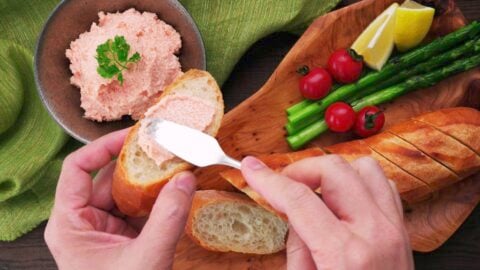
x: 345, y: 65
x: 315, y: 83
x: 340, y: 117
x: 370, y: 121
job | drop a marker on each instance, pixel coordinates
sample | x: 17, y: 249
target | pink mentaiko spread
x: 182, y: 109
x: 156, y: 42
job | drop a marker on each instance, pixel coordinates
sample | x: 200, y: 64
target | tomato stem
x: 357, y: 57
x: 303, y: 70
x: 370, y: 119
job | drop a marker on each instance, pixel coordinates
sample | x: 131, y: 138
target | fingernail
x: 253, y: 163
x: 185, y: 182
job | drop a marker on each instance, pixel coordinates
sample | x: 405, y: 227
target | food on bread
x: 105, y: 99
x: 225, y: 221
x: 184, y: 109
x: 138, y: 178
x: 417, y: 175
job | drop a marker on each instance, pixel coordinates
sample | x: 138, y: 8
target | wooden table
x: 462, y: 251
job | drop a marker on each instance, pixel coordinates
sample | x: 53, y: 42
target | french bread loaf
x: 137, y: 179
x: 225, y: 221
x: 421, y: 155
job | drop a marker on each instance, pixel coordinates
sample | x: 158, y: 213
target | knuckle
x: 68, y: 160
x: 363, y: 258
x: 298, y: 192
x: 47, y: 234
x: 368, y: 162
x: 336, y: 160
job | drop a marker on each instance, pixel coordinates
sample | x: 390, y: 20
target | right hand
x: 357, y: 223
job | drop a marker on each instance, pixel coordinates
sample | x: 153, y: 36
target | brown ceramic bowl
x: 66, y: 23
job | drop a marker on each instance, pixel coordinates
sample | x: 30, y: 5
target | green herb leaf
x: 120, y: 78
x: 112, y: 58
x: 135, y: 58
x: 121, y: 47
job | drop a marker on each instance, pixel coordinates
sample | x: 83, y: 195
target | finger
x: 298, y: 202
x: 398, y: 200
x: 343, y: 190
x: 166, y: 223
x: 102, y: 188
x: 75, y: 184
x: 298, y: 254
x: 374, y: 179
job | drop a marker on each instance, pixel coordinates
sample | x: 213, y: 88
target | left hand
x: 83, y: 233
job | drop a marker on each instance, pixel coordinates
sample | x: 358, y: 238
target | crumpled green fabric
x: 32, y: 145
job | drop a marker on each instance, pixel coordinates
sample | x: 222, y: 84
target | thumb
x: 165, y: 226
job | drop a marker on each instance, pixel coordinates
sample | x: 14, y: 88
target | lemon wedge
x: 376, y: 42
x: 412, y: 24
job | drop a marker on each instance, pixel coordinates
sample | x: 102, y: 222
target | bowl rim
x: 39, y: 46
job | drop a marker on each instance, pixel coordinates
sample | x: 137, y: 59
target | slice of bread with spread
x: 142, y: 168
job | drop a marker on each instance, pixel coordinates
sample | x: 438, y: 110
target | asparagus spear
x: 393, y: 67
x: 422, y: 81
x: 299, y: 106
x: 304, y: 103
x: 471, y: 46
x: 425, y: 67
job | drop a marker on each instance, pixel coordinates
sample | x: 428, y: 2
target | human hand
x: 358, y: 223
x: 82, y: 232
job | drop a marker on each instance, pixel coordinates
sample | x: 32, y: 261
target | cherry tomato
x: 340, y: 117
x: 370, y: 121
x: 345, y: 65
x: 315, y: 83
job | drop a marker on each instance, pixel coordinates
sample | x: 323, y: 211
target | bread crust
x: 203, y: 198
x: 137, y: 199
x: 462, y: 124
x: 439, y: 146
x: 412, y: 160
x: 411, y: 188
x: 416, y: 174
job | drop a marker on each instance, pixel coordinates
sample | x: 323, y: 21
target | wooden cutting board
x: 256, y: 127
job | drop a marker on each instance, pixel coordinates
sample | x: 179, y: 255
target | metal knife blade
x: 191, y: 145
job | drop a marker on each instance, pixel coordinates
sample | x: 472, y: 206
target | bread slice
x: 226, y: 221
x: 137, y: 179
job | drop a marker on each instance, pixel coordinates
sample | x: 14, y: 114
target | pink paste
x: 186, y: 110
x: 156, y: 42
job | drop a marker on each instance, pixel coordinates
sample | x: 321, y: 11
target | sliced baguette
x: 137, y: 180
x: 463, y: 124
x: 411, y: 189
x: 225, y: 221
x: 439, y: 146
x: 412, y: 160
x: 417, y: 175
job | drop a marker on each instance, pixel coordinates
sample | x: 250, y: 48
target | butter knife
x: 191, y: 145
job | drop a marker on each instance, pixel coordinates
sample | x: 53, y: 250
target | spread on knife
x: 157, y: 43
x: 179, y: 108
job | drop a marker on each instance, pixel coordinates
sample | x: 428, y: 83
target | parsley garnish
x: 112, y: 58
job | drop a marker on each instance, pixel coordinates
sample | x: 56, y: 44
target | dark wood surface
x: 462, y: 251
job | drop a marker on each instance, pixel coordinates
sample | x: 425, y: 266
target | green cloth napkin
x: 32, y: 145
